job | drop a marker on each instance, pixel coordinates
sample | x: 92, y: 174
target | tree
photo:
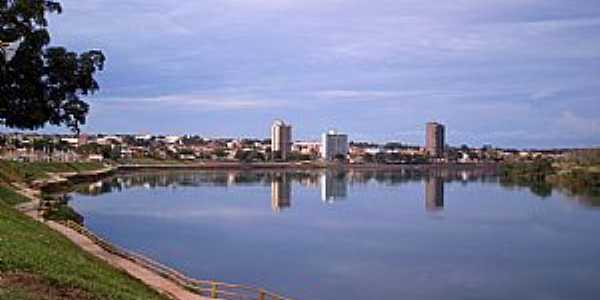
x: 41, y: 85
x: 220, y: 153
x: 340, y: 157
x: 392, y: 145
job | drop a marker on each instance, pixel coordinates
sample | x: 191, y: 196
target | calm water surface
x: 355, y: 235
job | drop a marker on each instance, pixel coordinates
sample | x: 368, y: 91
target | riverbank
x: 41, y: 259
x: 38, y: 262
x: 24, y: 199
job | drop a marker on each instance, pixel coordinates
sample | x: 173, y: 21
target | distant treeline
x: 578, y: 174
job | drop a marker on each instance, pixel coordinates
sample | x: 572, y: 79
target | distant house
x: 95, y: 158
x: 71, y: 141
x: 187, y: 156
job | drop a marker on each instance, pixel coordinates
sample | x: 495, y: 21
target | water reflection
x: 281, y: 192
x: 434, y: 193
x: 334, y: 186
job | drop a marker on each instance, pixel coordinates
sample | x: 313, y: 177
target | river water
x: 356, y: 234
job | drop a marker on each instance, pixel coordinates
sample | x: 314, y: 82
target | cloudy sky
x: 508, y: 72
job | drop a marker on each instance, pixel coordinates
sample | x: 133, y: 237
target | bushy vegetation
x: 578, y: 174
x: 590, y: 157
x: 58, y: 209
x: 526, y: 172
x: 45, y: 263
x: 532, y: 175
x: 580, y: 181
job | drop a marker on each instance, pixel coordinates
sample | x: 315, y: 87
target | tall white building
x: 281, y: 139
x: 334, y: 145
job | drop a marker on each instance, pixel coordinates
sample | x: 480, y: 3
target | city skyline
x: 506, y: 73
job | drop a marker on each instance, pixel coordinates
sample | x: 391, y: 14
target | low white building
x: 71, y: 141
x: 95, y: 157
x: 172, y: 139
x: 306, y: 147
x: 108, y: 140
x: 144, y: 137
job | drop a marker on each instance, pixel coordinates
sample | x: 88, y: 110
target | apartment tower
x: 334, y: 145
x: 281, y: 139
x: 435, y: 139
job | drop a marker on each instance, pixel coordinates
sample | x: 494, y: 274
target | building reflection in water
x: 434, y: 193
x: 334, y: 186
x: 281, y: 192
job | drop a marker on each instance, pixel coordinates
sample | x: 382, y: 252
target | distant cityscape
x: 333, y: 146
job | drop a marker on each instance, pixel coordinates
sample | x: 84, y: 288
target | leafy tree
x: 43, y: 144
x: 94, y: 148
x: 392, y: 145
x: 249, y: 156
x: 220, y: 153
x: 41, y: 84
x: 340, y: 157
x: 298, y: 156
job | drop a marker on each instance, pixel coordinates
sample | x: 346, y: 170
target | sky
x: 511, y: 73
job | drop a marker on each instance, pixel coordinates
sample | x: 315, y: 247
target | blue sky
x: 522, y: 73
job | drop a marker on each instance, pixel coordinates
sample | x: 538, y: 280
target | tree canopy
x: 41, y: 85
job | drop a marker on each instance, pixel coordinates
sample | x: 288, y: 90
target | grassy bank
x: 11, y: 171
x: 10, y: 197
x: 39, y: 263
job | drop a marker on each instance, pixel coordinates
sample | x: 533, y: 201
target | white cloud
x: 578, y: 125
x: 355, y: 94
x: 191, y: 101
x: 560, y: 24
x: 543, y: 94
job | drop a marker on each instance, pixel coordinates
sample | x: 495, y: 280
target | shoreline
x: 155, y: 275
x: 300, y: 166
x: 163, y: 279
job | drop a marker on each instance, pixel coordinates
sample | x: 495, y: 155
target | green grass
x: 10, y: 197
x: 29, y: 247
x: 27, y: 172
x: 11, y: 293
